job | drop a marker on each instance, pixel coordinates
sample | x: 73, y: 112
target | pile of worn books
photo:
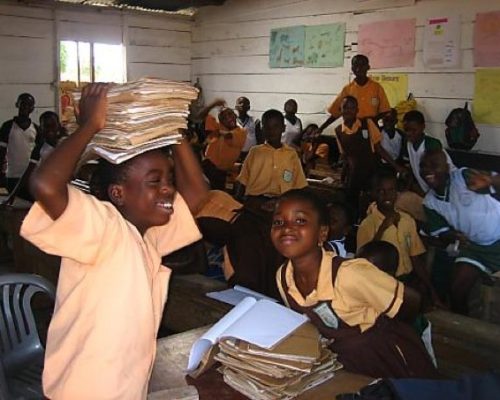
x: 142, y: 115
x: 298, y: 363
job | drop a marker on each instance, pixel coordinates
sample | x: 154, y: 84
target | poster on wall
x: 487, y: 96
x: 286, y: 47
x: 388, y: 44
x: 324, y: 45
x: 487, y: 40
x: 442, y: 42
x: 395, y: 86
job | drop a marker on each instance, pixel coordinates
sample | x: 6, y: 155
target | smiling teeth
x: 166, y: 205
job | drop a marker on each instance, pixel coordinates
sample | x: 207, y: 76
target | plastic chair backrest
x: 20, y: 342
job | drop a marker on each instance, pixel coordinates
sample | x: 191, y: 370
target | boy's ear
x: 323, y: 233
x: 115, y: 194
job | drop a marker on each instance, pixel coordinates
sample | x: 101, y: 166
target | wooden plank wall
x: 156, y: 45
x: 231, y: 43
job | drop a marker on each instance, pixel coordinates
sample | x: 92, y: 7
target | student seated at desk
x: 350, y: 301
x: 385, y: 222
x: 272, y: 168
x: 340, y: 226
x: 461, y: 208
x: 392, y: 137
x: 293, y: 124
x: 313, y: 152
x: 223, y: 149
x: 112, y: 287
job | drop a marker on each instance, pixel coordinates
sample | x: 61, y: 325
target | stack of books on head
x: 142, y: 115
x: 297, y: 364
x: 267, y: 351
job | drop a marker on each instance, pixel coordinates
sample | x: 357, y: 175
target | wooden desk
x: 171, y: 359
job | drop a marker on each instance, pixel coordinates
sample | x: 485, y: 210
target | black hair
x: 106, y: 174
x: 310, y: 197
x: 48, y: 114
x: 344, y: 209
x: 273, y: 114
x: 291, y: 100
x: 350, y: 98
x: 414, y: 116
x: 361, y: 57
x: 28, y: 95
x: 382, y: 254
x: 308, y: 126
x: 383, y: 174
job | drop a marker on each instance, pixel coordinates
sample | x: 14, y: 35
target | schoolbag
x: 403, y: 107
x: 461, y: 132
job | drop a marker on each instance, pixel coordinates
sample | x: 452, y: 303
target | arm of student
x: 365, y: 234
x: 376, y: 142
x: 216, y: 103
x: 410, y: 306
x: 436, y: 224
x: 49, y: 181
x: 481, y: 181
x: 330, y: 120
x: 189, y: 176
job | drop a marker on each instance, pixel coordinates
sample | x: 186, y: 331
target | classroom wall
x: 156, y: 45
x: 231, y: 44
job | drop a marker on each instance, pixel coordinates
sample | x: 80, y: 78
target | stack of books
x: 142, y: 115
x: 267, y: 351
x: 299, y: 363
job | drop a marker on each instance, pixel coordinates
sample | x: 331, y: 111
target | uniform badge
x: 374, y: 101
x: 326, y: 315
x: 364, y: 132
x: 287, y: 176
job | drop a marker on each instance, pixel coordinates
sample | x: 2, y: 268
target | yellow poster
x: 487, y: 96
x: 395, y: 86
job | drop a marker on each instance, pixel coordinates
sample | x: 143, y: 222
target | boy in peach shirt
x: 112, y: 287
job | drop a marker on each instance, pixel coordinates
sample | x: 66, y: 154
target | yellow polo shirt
x: 112, y: 288
x: 373, y: 133
x: 360, y: 294
x: 371, y: 97
x: 404, y: 237
x: 270, y: 171
x: 224, y: 151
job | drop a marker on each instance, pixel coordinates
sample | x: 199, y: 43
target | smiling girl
x: 112, y: 287
x: 351, y: 302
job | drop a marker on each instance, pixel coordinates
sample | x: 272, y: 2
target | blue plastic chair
x: 21, y: 352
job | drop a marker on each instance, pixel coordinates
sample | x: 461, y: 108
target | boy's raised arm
x: 189, y: 176
x: 49, y: 181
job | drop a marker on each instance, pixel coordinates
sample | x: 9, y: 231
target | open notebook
x: 236, y: 294
x: 262, y: 323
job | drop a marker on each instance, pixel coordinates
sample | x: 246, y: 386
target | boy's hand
x: 479, y: 180
x: 92, y: 108
x: 391, y: 219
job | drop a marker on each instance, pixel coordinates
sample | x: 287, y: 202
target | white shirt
x: 476, y: 215
x: 392, y: 146
x: 415, y: 156
x: 292, y: 131
x: 249, y: 126
x: 21, y: 143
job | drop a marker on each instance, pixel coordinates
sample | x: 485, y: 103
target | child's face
x: 414, y: 131
x: 25, y: 105
x: 349, y: 110
x: 273, y: 128
x: 338, y: 224
x: 389, y: 121
x: 242, y: 105
x: 50, y: 128
x: 359, y: 67
x: 295, y: 230
x: 291, y: 107
x: 386, y: 194
x: 434, y: 170
x: 146, y: 196
x: 227, y: 118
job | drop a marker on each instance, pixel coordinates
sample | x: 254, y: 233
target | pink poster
x: 487, y: 39
x: 388, y: 43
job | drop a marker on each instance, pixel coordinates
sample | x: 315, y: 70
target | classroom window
x: 83, y: 62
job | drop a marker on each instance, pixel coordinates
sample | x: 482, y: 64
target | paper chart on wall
x: 487, y: 96
x: 286, y: 47
x: 388, y: 43
x: 442, y: 42
x: 324, y: 45
x: 487, y: 39
x: 395, y: 86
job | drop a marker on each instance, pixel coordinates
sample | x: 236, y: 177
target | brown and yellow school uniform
x: 357, y: 145
x: 404, y: 237
x: 354, y: 304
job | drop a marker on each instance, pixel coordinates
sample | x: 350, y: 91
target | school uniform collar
x: 446, y: 195
x: 323, y: 286
x: 244, y: 123
x: 355, y: 127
